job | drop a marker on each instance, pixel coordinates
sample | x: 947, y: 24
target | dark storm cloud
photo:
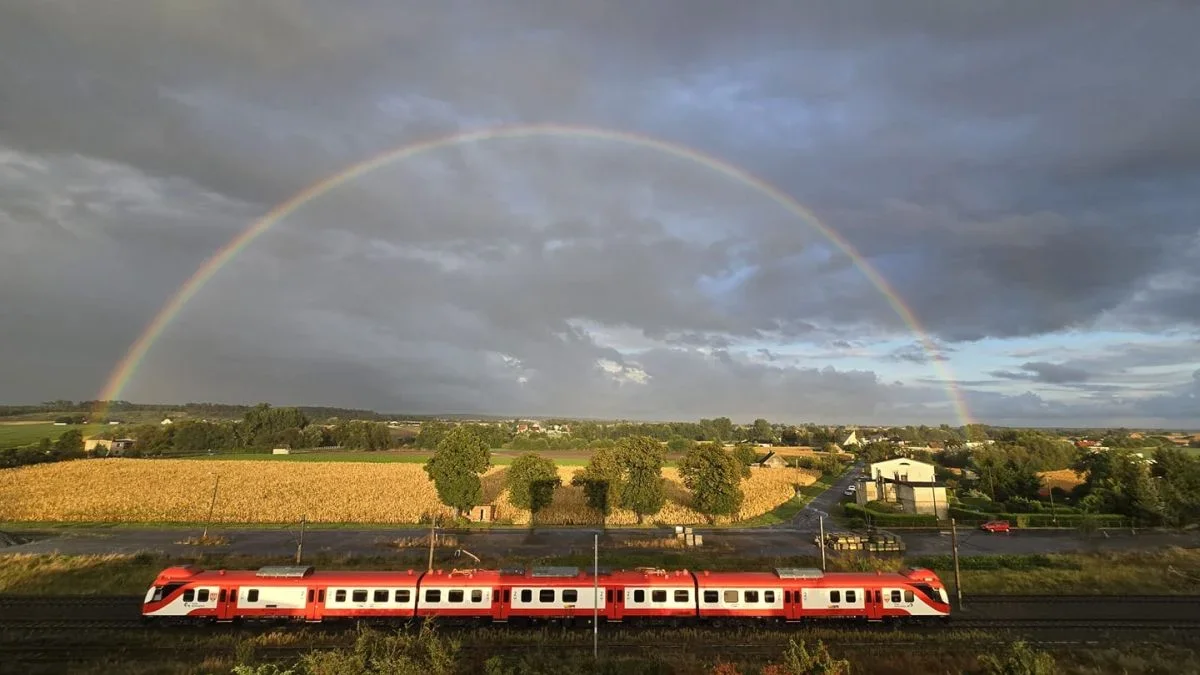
x: 1011, y: 171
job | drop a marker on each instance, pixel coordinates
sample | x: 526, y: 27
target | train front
x: 929, y: 585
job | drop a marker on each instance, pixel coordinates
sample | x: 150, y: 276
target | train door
x: 614, y: 601
x: 501, y: 603
x: 314, y: 604
x: 227, y: 603
x: 874, y: 604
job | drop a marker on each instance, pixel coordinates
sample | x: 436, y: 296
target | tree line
x: 627, y: 475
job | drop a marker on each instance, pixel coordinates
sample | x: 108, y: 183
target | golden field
x: 1062, y: 478
x: 179, y: 490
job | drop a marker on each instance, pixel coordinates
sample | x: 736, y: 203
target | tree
x: 714, y: 477
x: 680, y: 445
x: 641, y: 459
x: 762, y: 431
x: 1178, y: 485
x: 531, y: 482
x: 461, y: 456
x: 602, y: 480
x: 69, y: 444
x: 745, y: 454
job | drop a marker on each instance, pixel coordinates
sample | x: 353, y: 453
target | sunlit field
x: 18, y: 434
x: 179, y: 491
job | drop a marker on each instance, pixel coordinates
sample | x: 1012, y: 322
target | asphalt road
x: 793, y: 538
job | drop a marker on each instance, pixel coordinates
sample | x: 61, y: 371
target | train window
x: 359, y: 595
x: 658, y: 596
x: 252, y: 595
x: 835, y: 596
x: 571, y: 596
x: 769, y: 596
x: 321, y: 595
x: 508, y: 596
x: 311, y: 594
x: 339, y: 596
x: 751, y: 596
x: 476, y: 595
x: 546, y: 595
x: 787, y: 596
x: 712, y: 597
x: 455, y: 595
x: 608, y: 595
x: 380, y: 596
x: 908, y: 596
x: 202, y: 595
x: 681, y: 596
x: 526, y: 595
x: 189, y: 595
x: 233, y: 595
x: 221, y: 596
x: 403, y: 596
x: 851, y: 596
x: 639, y: 596
x: 433, y: 595
x: 895, y: 596
x: 731, y: 597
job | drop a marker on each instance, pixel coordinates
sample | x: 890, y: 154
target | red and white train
x: 301, y: 594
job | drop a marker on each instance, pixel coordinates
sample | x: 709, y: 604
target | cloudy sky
x: 1026, y: 175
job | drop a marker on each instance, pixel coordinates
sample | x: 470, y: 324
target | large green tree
x: 714, y: 477
x: 461, y: 456
x: 601, y: 480
x: 531, y: 481
x: 641, y: 459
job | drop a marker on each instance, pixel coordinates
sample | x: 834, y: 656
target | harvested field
x: 1062, y: 478
x: 166, y: 490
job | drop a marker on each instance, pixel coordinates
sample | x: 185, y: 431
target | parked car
x: 996, y: 526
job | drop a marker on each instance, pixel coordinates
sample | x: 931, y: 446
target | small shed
x: 482, y: 514
x: 281, y: 451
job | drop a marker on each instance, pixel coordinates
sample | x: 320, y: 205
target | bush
x: 1056, y: 519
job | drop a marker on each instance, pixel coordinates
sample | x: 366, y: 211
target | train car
x: 797, y: 594
x: 551, y: 594
x: 461, y: 595
x: 650, y: 595
x: 279, y: 593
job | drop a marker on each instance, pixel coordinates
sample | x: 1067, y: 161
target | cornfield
x: 1062, y: 478
x: 164, y: 490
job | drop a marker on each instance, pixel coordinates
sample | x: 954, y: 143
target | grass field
x: 179, y: 490
x: 17, y: 434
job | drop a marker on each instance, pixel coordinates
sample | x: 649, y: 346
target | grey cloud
x: 1010, y: 172
x: 1041, y: 371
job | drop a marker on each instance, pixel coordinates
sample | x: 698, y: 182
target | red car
x: 996, y: 526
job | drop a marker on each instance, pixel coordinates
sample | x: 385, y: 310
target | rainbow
x: 129, y: 364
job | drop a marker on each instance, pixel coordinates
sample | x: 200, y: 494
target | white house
x: 852, y: 439
x: 902, y: 468
x: 166, y: 421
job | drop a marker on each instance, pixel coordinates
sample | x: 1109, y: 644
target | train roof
x: 809, y: 577
x: 285, y: 575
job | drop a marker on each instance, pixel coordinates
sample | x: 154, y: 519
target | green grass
x: 14, y: 435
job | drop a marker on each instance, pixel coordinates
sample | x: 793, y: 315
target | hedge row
x: 968, y: 516
x: 890, y: 519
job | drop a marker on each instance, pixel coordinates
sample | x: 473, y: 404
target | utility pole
x: 822, y: 542
x: 211, y: 505
x: 954, y: 550
x: 300, y: 543
x: 1053, y: 513
x: 596, y: 598
x: 432, y: 527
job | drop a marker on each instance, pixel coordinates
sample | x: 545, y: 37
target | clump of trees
x: 531, y: 482
x: 628, y: 476
x: 455, y: 468
x: 714, y: 477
